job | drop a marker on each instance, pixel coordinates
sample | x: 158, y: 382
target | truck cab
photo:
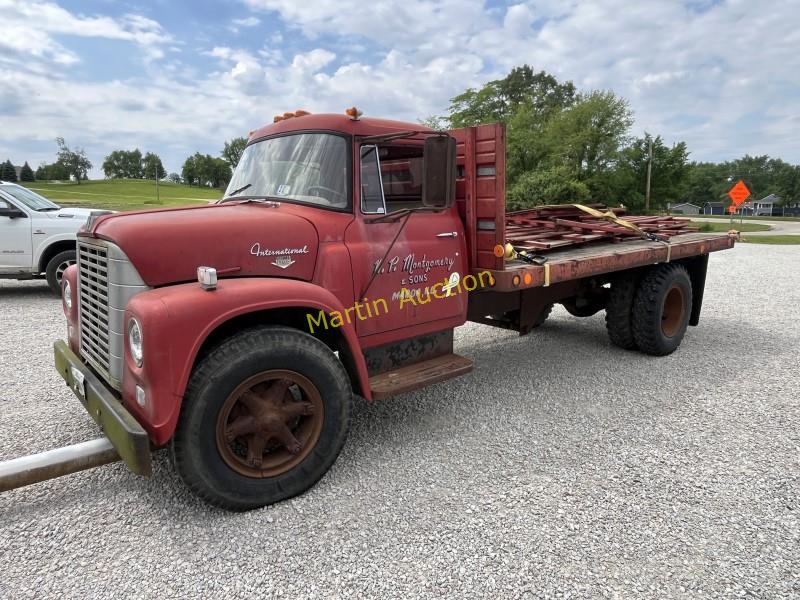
x: 338, y: 263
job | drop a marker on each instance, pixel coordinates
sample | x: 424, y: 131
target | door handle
x: 451, y: 234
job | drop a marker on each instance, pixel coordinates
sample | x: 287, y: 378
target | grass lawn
x: 737, y: 218
x: 772, y: 239
x: 706, y: 226
x: 123, y: 194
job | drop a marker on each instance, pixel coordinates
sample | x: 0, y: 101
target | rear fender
x: 178, y: 320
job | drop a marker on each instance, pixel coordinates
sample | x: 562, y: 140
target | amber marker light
x: 499, y: 251
x: 528, y: 278
x: 301, y: 113
x: 515, y: 280
x: 353, y: 113
x: 277, y: 118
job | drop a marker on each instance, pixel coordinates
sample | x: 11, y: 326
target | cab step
x: 418, y: 375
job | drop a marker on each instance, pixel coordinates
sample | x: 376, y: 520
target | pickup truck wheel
x: 56, y: 267
x: 619, y: 311
x: 661, y: 310
x: 265, y: 416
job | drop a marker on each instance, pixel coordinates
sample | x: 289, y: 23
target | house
x: 764, y: 207
x: 684, y: 208
x: 790, y: 209
x: 714, y: 208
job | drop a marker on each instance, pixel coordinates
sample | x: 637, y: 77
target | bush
x: 550, y: 186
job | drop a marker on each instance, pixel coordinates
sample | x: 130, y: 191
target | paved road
x: 776, y: 227
x: 562, y: 467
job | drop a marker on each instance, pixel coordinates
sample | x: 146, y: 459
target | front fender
x: 176, y: 320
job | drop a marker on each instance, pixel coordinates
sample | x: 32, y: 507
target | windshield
x: 306, y: 167
x: 30, y: 199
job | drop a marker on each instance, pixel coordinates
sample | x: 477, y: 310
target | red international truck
x: 343, y: 255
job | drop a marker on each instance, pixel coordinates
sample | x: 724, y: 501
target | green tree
x: 232, y: 152
x: 669, y: 174
x: 75, y: 162
x: 498, y: 100
x: 124, y: 164
x: 26, y: 173
x: 174, y: 178
x: 8, y: 172
x: 554, y: 185
x: 152, y: 167
x: 189, y: 171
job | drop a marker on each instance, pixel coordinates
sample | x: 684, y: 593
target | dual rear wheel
x: 650, y: 311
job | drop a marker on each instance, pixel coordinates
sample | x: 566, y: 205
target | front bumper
x: 123, y: 431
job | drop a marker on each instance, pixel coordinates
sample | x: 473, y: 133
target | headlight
x: 135, y: 341
x: 67, y: 293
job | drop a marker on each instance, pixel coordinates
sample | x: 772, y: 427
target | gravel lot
x: 562, y: 467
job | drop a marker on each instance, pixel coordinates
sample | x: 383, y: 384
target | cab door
x: 405, y: 264
x: 16, y: 252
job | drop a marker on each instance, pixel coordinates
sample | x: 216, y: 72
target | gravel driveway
x: 562, y: 467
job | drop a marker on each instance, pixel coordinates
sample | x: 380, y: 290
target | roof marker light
x: 301, y: 113
x: 353, y: 113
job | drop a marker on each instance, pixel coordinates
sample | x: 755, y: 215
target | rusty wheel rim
x: 673, y: 312
x: 269, y: 423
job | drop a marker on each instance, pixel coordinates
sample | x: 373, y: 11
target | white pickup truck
x: 37, y: 237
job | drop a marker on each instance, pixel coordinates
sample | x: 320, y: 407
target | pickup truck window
x: 30, y: 199
x: 307, y: 168
x: 399, y: 185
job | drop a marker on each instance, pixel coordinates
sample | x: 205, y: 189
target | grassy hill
x: 123, y: 194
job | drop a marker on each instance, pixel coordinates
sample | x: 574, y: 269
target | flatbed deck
x: 597, y: 258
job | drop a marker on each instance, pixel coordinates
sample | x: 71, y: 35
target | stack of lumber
x: 549, y: 227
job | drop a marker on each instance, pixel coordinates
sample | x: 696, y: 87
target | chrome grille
x: 106, y: 282
x: 93, y: 289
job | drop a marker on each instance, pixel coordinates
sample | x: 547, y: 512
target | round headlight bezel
x: 136, y: 341
x: 66, y: 295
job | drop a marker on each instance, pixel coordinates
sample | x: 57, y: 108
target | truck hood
x: 69, y: 213
x: 239, y: 240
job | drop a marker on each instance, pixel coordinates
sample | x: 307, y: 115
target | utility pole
x: 649, y: 172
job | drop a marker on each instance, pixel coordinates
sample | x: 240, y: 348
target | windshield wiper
x: 239, y: 190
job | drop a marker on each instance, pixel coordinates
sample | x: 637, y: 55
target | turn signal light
x: 499, y: 251
x: 353, y: 113
x: 528, y: 278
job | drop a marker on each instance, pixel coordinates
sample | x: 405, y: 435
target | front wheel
x: 265, y: 416
x: 55, y: 268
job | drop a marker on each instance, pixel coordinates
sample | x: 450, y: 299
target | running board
x: 418, y: 375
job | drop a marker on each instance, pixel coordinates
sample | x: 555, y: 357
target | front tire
x: 265, y: 415
x: 56, y: 267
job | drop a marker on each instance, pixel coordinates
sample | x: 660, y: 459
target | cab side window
x: 401, y: 172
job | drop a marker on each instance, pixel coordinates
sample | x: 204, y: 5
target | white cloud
x: 28, y: 28
x: 247, y: 22
x: 721, y: 76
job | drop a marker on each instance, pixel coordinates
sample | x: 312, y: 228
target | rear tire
x: 56, y: 267
x: 264, y: 417
x: 662, y: 309
x: 619, y: 310
x: 542, y: 316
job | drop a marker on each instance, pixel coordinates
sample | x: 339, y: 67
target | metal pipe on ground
x: 27, y: 470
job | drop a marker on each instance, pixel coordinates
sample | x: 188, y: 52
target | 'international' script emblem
x: 283, y: 262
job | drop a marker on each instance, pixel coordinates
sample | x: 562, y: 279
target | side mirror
x: 11, y: 212
x: 439, y: 172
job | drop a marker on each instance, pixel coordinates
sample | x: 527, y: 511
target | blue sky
x: 175, y: 77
